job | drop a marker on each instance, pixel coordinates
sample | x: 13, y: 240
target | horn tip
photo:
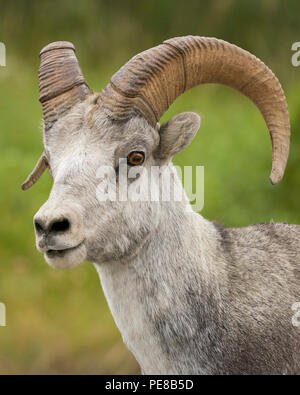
x: 275, y: 176
x: 57, y: 45
x: 26, y: 185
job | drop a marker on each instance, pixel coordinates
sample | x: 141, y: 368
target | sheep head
x: 84, y: 130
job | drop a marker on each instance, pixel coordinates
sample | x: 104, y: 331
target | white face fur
x: 74, y: 224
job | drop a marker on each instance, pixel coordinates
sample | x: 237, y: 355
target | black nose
x: 60, y: 225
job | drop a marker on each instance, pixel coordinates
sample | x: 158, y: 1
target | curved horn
x: 61, y: 85
x: 61, y: 82
x: 152, y: 80
x: 36, y: 173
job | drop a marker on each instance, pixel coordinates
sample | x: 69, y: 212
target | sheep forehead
x: 87, y: 138
x: 87, y: 128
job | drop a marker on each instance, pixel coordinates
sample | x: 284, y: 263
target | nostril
x: 39, y: 227
x: 60, y: 226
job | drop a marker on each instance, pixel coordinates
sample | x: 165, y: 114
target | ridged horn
x: 36, y: 173
x: 62, y: 86
x: 150, y: 82
x: 61, y: 82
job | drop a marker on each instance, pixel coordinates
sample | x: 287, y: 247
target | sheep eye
x: 135, y: 158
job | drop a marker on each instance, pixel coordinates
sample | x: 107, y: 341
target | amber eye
x: 135, y: 158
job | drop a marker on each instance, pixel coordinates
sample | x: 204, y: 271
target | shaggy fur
x: 188, y: 296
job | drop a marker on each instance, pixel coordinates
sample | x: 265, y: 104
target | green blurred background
x: 59, y: 322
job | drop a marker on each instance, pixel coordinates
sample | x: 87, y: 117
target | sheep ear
x: 176, y: 134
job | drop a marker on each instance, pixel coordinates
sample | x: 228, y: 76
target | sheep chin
x: 66, y: 259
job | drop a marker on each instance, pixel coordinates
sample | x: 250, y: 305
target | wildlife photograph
x: 149, y: 189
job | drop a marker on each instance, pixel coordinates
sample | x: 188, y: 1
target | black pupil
x: 136, y: 157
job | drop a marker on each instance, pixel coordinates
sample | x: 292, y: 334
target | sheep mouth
x: 63, y: 252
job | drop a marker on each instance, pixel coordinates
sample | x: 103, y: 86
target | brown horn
x: 62, y: 85
x: 36, y: 173
x: 61, y: 82
x: 150, y: 82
